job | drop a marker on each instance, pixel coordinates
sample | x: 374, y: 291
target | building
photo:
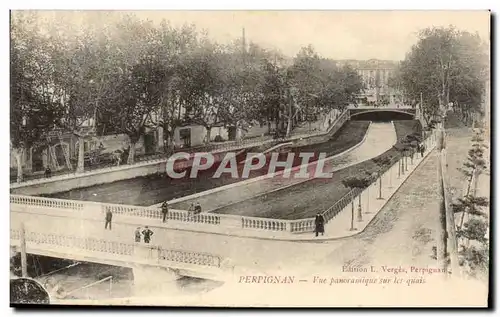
x: 375, y: 74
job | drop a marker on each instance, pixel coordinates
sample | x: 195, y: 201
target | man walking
x: 138, y: 234
x: 147, y: 233
x: 109, y: 217
x: 164, y: 210
x: 319, y: 223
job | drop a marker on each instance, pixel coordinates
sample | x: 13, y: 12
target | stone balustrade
x: 118, y: 248
x: 264, y: 224
x: 82, y: 243
x: 189, y: 257
x: 302, y: 225
x: 47, y: 202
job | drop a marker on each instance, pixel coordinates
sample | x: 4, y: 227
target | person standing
x: 147, y: 233
x: 422, y: 150
x: 197, y: 208
x: 109, y: 217
x: 164, y: 210
x: 48, y: 172
x: 138, y: 234
x: 319, y: 223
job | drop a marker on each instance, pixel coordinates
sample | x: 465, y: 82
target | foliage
x: 34, y: 106
x: 360, y: 182
x: 473, y: 232
x: 446, y: 65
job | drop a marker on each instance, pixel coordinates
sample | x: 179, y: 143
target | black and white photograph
x: 250, y: 158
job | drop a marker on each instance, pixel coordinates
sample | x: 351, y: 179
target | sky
x: 362, y: 35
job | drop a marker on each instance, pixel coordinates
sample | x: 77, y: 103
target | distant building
x: 375, y: 74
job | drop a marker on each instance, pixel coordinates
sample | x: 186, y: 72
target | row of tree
x: 130, y: 75
x: 445, y: 66
x: 471, y: 213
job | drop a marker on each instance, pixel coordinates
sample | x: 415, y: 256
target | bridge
x: 144, y: 259
x: 383, y: 113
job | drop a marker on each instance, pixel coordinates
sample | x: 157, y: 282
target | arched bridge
x: 367, y: 113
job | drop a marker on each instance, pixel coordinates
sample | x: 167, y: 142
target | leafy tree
x: 202, y: 86
x: 382, y: 162
x: 474, y: 231
x: 437, y: 69
x: 473, y: 167
x: 34, y: 109
x: 137, y: 81
x: 305, y: 81
x: 357, y: 183
x: 271, y: 97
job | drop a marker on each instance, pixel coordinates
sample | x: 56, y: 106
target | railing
x: 118, y: 248
x: 187, y: 257
x: 302, y: 225
x: 388, y: 106
x: 264, y: 223
x: 90, y: 244
x: 334, y: 210
x: 47, y: 202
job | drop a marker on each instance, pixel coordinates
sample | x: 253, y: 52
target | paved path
x: 380, y: 137
x: 403, y: 232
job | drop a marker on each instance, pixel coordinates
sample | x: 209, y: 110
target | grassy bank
x: 306, y: 199
x: 153, y: 189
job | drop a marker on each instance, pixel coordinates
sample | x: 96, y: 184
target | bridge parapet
x: 125, y: 251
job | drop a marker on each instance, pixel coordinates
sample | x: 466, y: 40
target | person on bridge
x: 109, y: 217
x: 319, y: 224
x: 164, y: 210
x: 197, y: 208
x: 147, y: 234
x: 138, y: 234
x: 48, y: 172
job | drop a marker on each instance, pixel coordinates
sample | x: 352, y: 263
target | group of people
x: 146, y: 233
x: 194, y: 209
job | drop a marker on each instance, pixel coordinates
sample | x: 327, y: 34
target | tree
x: 137, y: 82
x: 271, y: 93
x: 172, y: 44
x: 305, y: 83
x: 201, y: 87
x: 34, y: 109
x: 356, y: 183
x: 382, y: 162
x: 445, y: 65
x: 474, y: 166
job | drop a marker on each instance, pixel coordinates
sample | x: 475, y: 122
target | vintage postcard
x: 250, y: 158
